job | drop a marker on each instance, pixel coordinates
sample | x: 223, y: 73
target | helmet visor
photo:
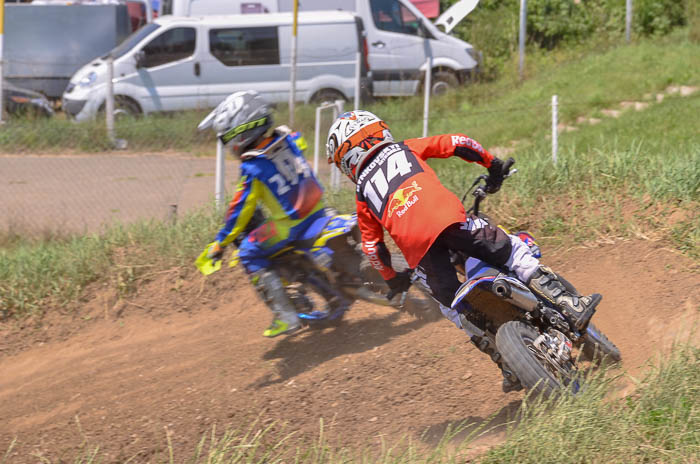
x: 232, y: 133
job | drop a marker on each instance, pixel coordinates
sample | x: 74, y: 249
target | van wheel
x: 327, y: 95
x: 123, y: 106
x: 443, y: 81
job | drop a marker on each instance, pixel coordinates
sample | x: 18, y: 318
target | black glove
x: 399, y: 284
x: 496, y: 175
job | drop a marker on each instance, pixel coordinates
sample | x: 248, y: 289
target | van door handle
x: 378, y: 44
x: 197, y: 70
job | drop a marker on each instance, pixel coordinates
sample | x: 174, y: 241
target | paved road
x: 84, y: 192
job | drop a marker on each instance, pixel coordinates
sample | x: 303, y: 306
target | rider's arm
x: 446, y: 145
x: 373, y: 241
x: 241, y: 208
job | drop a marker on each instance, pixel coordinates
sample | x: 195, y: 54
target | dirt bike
x: 515, y: 326
x: 327, y: 264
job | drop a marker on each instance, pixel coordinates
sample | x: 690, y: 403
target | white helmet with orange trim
x: 353, y: 138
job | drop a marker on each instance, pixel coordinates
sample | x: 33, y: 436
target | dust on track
x: 181, y: 357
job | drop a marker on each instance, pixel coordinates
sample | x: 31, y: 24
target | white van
x: 399, y: 37
x: 178, y: 63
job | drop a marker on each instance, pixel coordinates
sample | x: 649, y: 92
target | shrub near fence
x: 493, y: 26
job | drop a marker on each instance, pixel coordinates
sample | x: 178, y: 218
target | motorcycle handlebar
x: 478, y: 188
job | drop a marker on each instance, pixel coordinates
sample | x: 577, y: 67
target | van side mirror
x: 140, y: 58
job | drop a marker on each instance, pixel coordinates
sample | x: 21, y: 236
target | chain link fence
x: 60, y: 176
x: 84, y: 193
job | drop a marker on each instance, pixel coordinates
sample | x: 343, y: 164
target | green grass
x: 659, y: 422
x: 53, y: 271
x: 498, y: 112
x: 613, y: 179
x: 620, y: 178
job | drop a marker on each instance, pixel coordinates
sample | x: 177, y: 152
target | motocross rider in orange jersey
x: 397, y: 191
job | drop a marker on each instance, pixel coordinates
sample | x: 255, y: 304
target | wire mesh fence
x: 83, y: 193
x: 61, y: 176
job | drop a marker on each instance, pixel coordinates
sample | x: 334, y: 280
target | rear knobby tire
x: 512, y: 340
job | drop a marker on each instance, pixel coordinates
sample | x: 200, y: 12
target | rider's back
x: 281, y: 177
x: 403, y: 193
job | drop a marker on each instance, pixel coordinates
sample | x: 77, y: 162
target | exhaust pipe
x: 510, y: 292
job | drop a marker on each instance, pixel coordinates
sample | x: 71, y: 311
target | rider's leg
x: 311, y: 227
x: 271, y: 289
x: 577, y: 309
x: 441, y: 278
x: 253, y: 253
x: 492, y: 245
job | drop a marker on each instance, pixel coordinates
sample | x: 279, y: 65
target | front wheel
x: 516, y: 343
x: 123, y: 107
x: 326, y: 96
x: 442, y: 82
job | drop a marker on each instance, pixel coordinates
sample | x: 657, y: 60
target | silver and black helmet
x: 240, y: 120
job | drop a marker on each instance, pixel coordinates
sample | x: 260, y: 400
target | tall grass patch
x: 54, y: 271
x: 622, y: 177
x: 496, y: 113
x: 659, y: 422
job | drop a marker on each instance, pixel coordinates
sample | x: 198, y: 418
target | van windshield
x: 133, y: 39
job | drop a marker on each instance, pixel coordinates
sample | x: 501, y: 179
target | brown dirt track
x: 183, y: 355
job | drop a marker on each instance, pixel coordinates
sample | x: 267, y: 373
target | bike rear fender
x: 321, y: 251
x: 340, y: 224
x: 478, y: 273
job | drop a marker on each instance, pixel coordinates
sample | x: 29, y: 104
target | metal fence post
x: 628, y: 20
x: 219, y: 188
x: 317, y: 137
x: 426, y: 99
x: 293, y: 67
x: 335, y: 172
x: 358, y: 71
x: 109, y: 102
x: 555, y: 132
x: 521, y: 38
x: 2, y: 29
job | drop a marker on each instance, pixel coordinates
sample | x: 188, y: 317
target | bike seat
x: 307, y: 239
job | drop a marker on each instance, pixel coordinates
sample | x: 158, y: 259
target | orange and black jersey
x: 399, y: 192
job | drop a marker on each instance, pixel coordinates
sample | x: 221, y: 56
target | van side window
x: 172, y: 45
x: 392, y: 16
x: 247, y: 46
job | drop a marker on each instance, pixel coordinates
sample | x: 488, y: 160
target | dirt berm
x: 182, y: 355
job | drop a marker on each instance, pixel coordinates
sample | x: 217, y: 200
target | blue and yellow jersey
x: 277, y: 175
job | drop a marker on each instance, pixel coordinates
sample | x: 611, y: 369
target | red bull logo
x: 404, y: 198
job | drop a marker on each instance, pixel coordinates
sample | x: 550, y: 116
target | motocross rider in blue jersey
x: 275, y: 173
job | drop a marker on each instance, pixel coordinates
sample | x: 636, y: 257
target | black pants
x: 476, y: 238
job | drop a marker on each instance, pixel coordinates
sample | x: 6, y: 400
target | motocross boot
x: 270, y: 287
x: 510, y: 381
x: 577, y: 309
